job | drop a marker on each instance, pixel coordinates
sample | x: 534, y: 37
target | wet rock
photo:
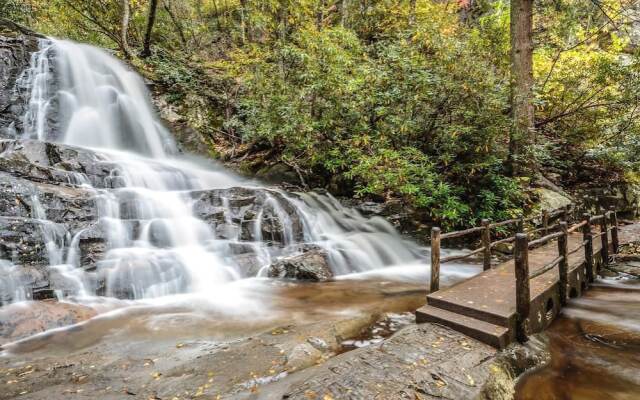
x: 16, y: 46
x: 249, y: 264
x: 21, y: 240
x: 611, y: 334
x: 61, y: 204
x: 303, y: 356
x: 249, y: 214
x: 420, y: 361
x: 19, y: 321
x: 309, y: 266
x: 56, y: 164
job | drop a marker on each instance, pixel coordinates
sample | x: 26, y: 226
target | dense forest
x: 386, y: 99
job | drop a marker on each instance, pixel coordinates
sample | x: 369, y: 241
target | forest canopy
x: 402, y: 99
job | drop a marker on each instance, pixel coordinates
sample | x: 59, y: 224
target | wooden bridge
x: 521, y: 296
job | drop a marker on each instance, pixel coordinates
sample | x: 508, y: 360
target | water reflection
x: 595, y: 348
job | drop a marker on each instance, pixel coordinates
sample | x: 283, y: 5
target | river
x: 594, y: 346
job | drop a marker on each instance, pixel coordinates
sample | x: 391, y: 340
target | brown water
x: 289, y: 303
x: 595, y: 349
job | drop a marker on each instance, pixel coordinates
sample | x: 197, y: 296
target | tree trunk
x: 151, y: 19
x: 320, y: 14
x: 177, y: 24
x: 521, y: 86
x: 343, y: 13
x: 283, y: 14
x: 412, y: 12
x: 243, y: 21
x: 124, y: 29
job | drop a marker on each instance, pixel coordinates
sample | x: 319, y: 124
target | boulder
x: 551, y: 200
x: 624, y: 197
x: 277, y: 174
x: 311, y: 265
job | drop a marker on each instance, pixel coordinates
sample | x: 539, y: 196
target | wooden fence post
x: 545, y: 221
x: 435, y: 260
x: 587, y: 237
x: 563, y: 266
x: 523, y: 295
x: 615, y: 242
x: 565, y: 213
x: 486, y: 243
x: 604, y: 229
x: 520, y: 226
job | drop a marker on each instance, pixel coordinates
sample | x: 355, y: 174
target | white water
x: 156, y: 246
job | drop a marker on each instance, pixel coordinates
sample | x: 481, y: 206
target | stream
x: 594, y: 346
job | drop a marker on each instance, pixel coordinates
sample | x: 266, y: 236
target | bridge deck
x: 489, y: 297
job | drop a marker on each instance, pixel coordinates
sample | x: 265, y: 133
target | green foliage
x: 389, y: 100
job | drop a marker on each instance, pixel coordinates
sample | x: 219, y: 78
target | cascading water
x: 157, y: 243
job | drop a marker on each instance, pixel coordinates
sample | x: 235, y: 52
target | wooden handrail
x: 503, y: 223
x: 577, y: 249
x: 456, y: 234
x: 522, y: 246
x: 562, y: 261
x: 577, y: 226
x: 545, y: 239
x: 461, y: 256
x: 546, y: 268
x: 505, y: 240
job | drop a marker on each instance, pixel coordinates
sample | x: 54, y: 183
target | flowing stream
x: 594, y: 346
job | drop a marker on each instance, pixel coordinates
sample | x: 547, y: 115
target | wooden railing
x: 607, y: 222
x: 523, y: 276
x: 485, y: 229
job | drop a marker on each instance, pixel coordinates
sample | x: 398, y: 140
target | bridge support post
x: 565, y: 213
x: 604, y: 230
x: 486, y: 243
x: 587, y: 237
x: 520, y: 226
x: 435, y: 260
x: 545, y: 221
x: 523, y: 295
x: 615, y: 241
x: 563, y: 266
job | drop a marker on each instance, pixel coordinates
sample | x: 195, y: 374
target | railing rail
x: 606, y: 223
x: 485, y: 229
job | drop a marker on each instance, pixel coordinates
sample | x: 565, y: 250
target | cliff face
x: 16, y: 47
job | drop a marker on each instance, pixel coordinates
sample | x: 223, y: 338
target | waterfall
x: 157, y: 243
